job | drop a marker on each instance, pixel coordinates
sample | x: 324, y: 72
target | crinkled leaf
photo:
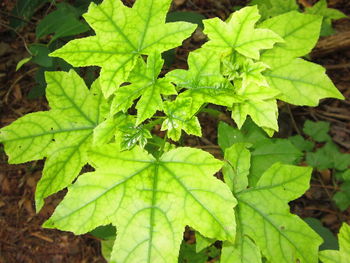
x: 301, y: 82
x: 179, y: 118
x: 204, y: 81
x: 292, y: 27
x: 237, y: 67
x: 63, y: 134
x: 122, y: 35
x: 328, y: 14
x: 149, y: 201
x: 343, y: 255
x: 263, y: 215
x: 317, y: 130
x: 239, y: 34
x: 145, y: 84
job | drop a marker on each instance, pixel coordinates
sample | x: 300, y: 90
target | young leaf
x: 145, y: 84
x: 263, y: 112
x: 149, y: 201
x: 122, y: 35
x: 343, y: 255
x: 204, y: 81
x: 63, y: 134
x: 328, y: 14
x: 179, y: 118
x: 239, y: 34
x: 263, y: 215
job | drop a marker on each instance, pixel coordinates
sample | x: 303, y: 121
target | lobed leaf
x: 122, y: 35
x: 239, y: 34
x: 149, y: 201
x: 63, y: 134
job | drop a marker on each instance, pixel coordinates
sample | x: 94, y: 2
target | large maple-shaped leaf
x: 239, y: 34
x: 63, y: 134
x: 204, y: 81
x: 343, y: 255
x: 264, y: 220
x: 122, y: 35
x: 145, y: 83
x: 149, y: 200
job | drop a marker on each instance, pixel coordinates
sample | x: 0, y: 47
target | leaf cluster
x: 143, y: 183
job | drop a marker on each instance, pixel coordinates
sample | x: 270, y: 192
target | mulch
x: 22, y: 239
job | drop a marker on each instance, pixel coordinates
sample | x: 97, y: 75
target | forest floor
x: 21, y: 237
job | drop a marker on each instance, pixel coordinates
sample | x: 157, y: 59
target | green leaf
x: 122, y: 35
x: 186, y: 16
x: 24, y: 9
x: 63, y: 134
x: 22, y: 62
x: 244, y: 251
x: 188, y: 254
x: 301, y: 82
x: 237, y: 166
x: 343, y: 255
x: 40, y: 54
x: 263, y: 216
x: 239, y: 34
x: 263, y: 112
x: 145, y: 84
x: 267, y: 153
x: 328, y: 156
x: 202, y: 242
x: 69, y: 24
x: 328, y: 14
x: 329, y: 240
x: 342, y: 197
x: 317, y: 130
x: 179, y: 118
x: 204, y: 81
x: 292, y: 27
x: 149, y: 201
x: 302, y: 144
x: 249, y: 133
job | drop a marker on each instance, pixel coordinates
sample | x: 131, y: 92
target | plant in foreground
x: 150, y: 189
